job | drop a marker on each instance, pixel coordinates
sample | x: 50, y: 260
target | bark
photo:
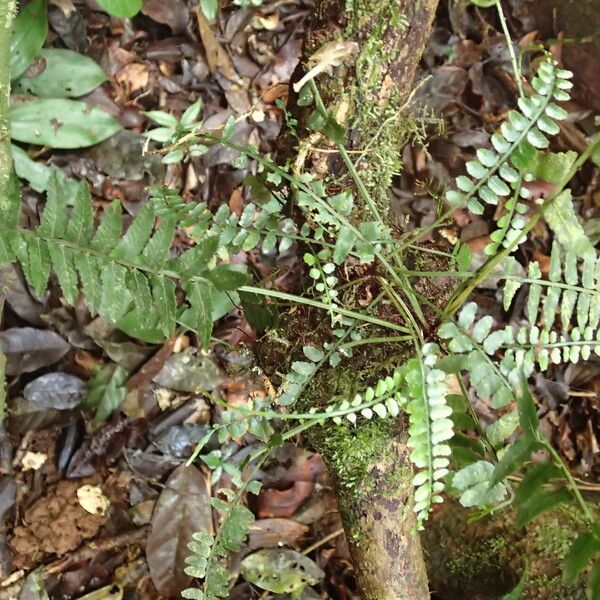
x: 370, y: 463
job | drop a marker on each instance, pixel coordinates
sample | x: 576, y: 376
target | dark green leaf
x: 514, y: 458
x: 528, y: 418
x: 66, y: 74
x: 257, y: 311
x: 226, y: 278
x: 138, y: 234
x: 28, y: 35
x: 196, y: 260
x: 61, y: 123
x: 121, y: 8
x: 198, y: 317
x: 106, y: 391
x: 540, y: 502
x: 582, y: 550
x: 593, y: 585
x: 536, y: 476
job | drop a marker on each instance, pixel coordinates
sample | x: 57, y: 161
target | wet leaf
x: 280, y: 571
x: 59, y: 391
x: 182, y: 509
x: 189, y: 372
x: 28, y: 349
x: 61, y: 123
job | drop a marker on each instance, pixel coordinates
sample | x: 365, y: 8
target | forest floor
x: 100, y: 496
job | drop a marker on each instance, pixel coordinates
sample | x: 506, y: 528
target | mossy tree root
x: 367, y: 93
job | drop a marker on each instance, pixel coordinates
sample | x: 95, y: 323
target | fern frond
x: 430, y: 429
x: 125, y: 278
x: 498, y: 173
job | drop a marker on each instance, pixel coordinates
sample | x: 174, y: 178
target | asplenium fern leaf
x: 498, y: 173
x: 124, y: 278
x: 429, y: 431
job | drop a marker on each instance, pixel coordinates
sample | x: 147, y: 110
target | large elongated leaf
x: 66, y: 74
x: 28, y: 35
x: 183, y: 509
x: 61, y: 123
x: 582, y: 550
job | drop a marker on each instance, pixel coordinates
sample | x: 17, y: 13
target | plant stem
x: 7, y: 13
x: 317, y: 304
x: 511, y: 50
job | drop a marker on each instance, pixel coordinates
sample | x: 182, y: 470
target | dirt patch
x: 54, y: 524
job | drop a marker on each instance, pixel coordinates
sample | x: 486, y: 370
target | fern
x: 209, y: 552
x: 430, y: 429
x: 498, y: 173
x: 128, y: 279
x: 261, y: 222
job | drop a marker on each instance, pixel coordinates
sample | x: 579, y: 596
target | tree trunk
x: 370, y: 463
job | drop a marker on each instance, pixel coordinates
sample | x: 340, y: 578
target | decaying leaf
x: 182, y: 509
x: 280, y: 571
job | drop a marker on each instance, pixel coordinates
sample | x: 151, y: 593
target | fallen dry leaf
x: 32, y: 461
x: 92, y: 499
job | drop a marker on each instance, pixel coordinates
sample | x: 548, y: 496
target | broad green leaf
x: 593, y: 585
x: 64, y: 267
x: 156, y: 251
x: 484, y: 3
x: 37, y: 173
x: 28, y: 35
x: 121, y: 8
x: 473, y: 484
x: 66, y: 74
x: 585, y: 547
x: 61, y: 123
x: 10, y: 209
x: 114, y: 305
x: 37, y: 271
x: 197, y: 259
x: 81, y: 223
x: 209, y: 8
x: 227, y: 278
x: 540, y: 502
